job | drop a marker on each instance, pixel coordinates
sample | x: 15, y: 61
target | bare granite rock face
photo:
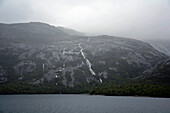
x: 36, y: 53
x: 3, y: 75
x: 24, y: 67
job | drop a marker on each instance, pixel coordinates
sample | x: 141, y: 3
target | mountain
x: 158, y: 75
x: 34, y: 32
x: 71, y: 31
x: 51, y: 58
x: 161, y: 45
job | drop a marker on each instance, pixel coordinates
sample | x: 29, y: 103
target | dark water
x: 82, y: 104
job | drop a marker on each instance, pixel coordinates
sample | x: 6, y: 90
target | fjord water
x: 82, y: 104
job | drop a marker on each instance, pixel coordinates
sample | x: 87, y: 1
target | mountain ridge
x: 44, y: 55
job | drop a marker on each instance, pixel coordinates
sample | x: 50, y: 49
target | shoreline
x: 81, y: 94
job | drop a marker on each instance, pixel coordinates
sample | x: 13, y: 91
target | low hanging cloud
x: 140, y: 19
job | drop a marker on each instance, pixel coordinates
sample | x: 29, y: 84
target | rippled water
x: 82, y: 104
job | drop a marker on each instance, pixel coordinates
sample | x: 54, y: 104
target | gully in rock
x: 87, y: 61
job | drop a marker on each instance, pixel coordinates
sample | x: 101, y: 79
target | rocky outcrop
x: 3, y: 75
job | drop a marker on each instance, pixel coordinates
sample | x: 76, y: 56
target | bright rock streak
x: 87, y: 61
x: 100, y: 80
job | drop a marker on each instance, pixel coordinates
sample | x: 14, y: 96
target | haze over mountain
x: 161, y: 45
x: 139, y: 19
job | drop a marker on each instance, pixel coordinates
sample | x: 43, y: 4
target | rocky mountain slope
x: 161, y: 45
x: 71, y: 31
x: 158, y: 75
x: 37, y: 53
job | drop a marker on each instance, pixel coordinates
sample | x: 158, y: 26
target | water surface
x: 82, y: 104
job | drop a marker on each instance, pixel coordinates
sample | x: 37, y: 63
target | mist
x: 139, y: 19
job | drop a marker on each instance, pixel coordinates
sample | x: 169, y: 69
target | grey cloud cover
x: 141, y: 19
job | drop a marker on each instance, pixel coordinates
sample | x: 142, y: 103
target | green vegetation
x: 132, y: 90
x: 135, y: 89
x: 46, y: 88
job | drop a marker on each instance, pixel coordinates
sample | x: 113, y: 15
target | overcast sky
x: 140, y: 19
